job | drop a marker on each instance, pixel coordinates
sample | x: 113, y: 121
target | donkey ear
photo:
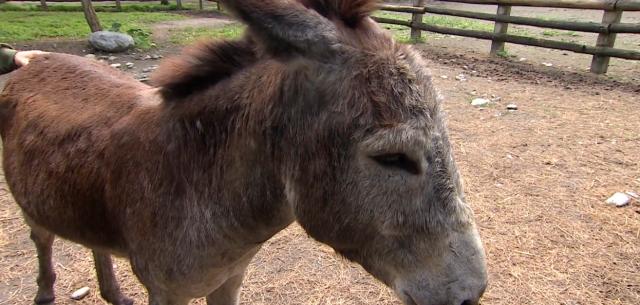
x: 287, y: 26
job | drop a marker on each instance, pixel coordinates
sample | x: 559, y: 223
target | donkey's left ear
x: 287, y: 26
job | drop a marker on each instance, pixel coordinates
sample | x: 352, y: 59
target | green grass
x: 192, y: 34
x: 402, y: 33
x: 552, y: 33
x: 33, y: 25
x: 99, y: 7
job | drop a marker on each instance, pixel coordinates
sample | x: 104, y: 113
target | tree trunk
x: 164, y: 2
x: 43, y: 4
x: 179, y: 4
x: 118, y: 5
x: 200, y: 4
x: 90, y: 15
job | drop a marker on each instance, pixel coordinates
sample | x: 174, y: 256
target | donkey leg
x: 109, y: 288
x: 46, y: 276
x: 162, y: 298
x: 228, y: 293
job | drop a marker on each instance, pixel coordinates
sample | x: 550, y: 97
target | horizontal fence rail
x: 602, y: 51
x: 624, y: 5
x: 553, y: 24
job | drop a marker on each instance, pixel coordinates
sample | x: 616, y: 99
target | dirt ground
x: 537, y: 179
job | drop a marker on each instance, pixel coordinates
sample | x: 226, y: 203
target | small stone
x: 156, y: 56
x: 90, y: 56
x: 547, y: 64
x: 129, y: 65
x: 512, y: 107
x: 146, y: 57
x: 479, y: 102
x: 80, y: 293
x: 522, y: 59
x: 112, y: 58
x: 461, y: 77
x: 115, y: 66
x: 619, y: 199
x: 444, y: 77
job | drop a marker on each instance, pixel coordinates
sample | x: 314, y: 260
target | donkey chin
x: 459, y: 277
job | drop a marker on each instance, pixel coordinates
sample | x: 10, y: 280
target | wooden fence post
x: 416, y: 34
x: 600, y: 64
x: 497, y: 46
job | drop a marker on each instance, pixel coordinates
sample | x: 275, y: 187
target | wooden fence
x: 602, y: 51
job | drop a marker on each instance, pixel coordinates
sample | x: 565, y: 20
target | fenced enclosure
x: 602, y: 51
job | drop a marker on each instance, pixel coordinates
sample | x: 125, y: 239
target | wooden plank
x: 600, y: 64
x: 417, y: 17
x: 530, y: 41
x: 627, y: 5
x: 497, y: 46
x: 591, y: 27
x: 581, y: 4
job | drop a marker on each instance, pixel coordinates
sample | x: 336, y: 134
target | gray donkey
x: 315, y: 116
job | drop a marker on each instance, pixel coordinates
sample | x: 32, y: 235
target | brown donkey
x: 315, y: 116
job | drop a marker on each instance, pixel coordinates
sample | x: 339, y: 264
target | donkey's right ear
x: 287, y: 26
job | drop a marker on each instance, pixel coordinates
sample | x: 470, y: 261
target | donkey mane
x: 349, y: 12
x: 203, y: 64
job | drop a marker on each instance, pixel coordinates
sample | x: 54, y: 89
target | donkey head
x: 368, y: 164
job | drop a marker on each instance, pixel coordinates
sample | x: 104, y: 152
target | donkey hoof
x: 124, y: 301
x: 44, y: 301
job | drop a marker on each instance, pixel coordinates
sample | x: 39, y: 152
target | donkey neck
x: 232, y: 127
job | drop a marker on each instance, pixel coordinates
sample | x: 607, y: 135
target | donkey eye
x: 397, y: 161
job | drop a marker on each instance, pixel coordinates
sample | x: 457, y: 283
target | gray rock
x: 112, y: 58
x: 129, y: 65
x: 115, y: 65
x: 111, y: 41
x: 90, y: 56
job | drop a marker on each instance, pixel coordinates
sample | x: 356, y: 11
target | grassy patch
x: 99, y: 7
x: 192, y: 34
x: 551, y: 33
x: 402, y: 33
x: 29, y: 26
